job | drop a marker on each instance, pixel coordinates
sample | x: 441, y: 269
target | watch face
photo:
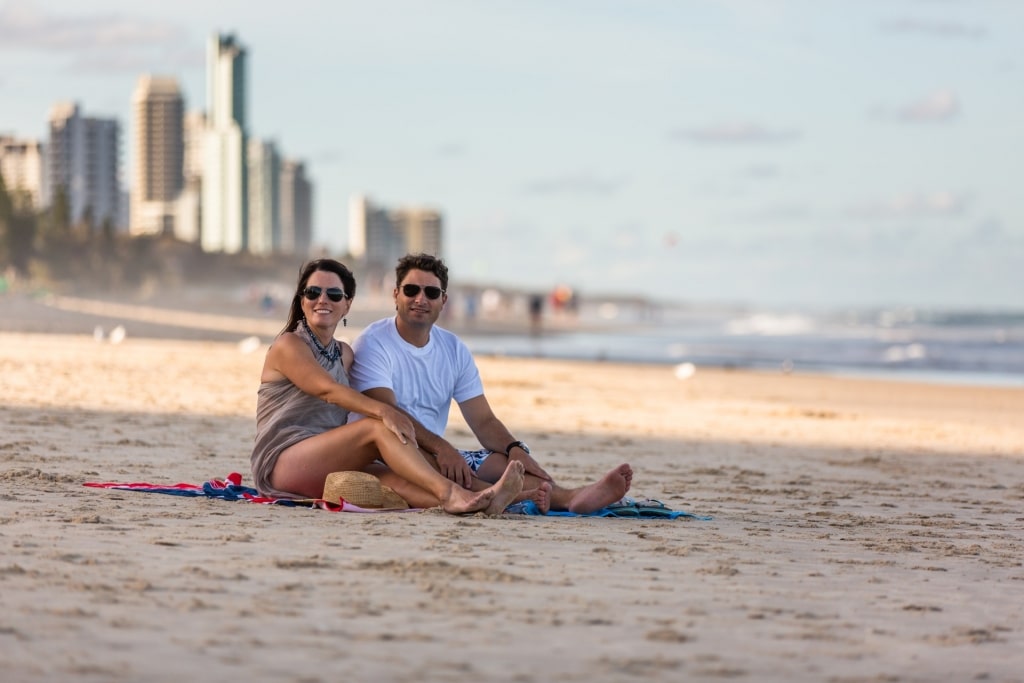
x: 524, y: 447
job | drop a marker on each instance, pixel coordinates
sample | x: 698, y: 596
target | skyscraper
x: 187, y: 222
x: 379, y: 236
x: 83, y: 161
x: 21, y: 165
x: 159, y: 152
x: 224, y: 208
x: 296, y: 209
x: 264, y: 213
x: 421, y: 228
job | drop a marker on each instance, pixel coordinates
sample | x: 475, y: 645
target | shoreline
x: 199, y: 317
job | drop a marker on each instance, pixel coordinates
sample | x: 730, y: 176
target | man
x: 409, y: 362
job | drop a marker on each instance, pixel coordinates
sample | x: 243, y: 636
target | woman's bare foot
x: 462, y: 501
x: 611, y: 487
x: 506, y: 488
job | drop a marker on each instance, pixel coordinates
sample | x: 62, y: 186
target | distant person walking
x: 536, y: 313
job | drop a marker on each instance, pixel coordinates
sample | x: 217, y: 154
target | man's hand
x: 531, y: 465
x: 453, y: 466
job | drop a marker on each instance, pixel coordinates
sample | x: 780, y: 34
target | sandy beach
x: 862, y: 530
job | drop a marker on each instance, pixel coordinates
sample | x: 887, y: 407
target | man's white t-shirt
x: 424, y: 380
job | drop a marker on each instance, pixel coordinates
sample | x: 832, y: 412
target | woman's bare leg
x: 303, y: 468
x: 417, y: 497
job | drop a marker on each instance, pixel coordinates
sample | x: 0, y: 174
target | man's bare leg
x: 582, y: 500
x: 610, y: 488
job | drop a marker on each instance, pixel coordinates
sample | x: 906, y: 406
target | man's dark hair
x: 427, y: 262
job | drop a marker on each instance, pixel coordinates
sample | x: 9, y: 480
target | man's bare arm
x: 494, y: 435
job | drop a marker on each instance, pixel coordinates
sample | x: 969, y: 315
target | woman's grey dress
x: 285, y: 415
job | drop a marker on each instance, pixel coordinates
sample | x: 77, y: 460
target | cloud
x: 24, y: 26
x: 451, y: 150
x: 97, y: 42
x: 779, y: 213
x: 941, y: 105
x: 734, y: 133
x: 912, y: 205
x: 992, y: 232
x: 941, y: 29
x: 327, y: 156
x: 761, y: 171
x: 578, y: 184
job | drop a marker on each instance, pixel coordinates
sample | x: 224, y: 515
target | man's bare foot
x: 611, y: 487
x: 506, y: 488
x: 541, y: 497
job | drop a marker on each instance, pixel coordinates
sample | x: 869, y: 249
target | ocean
x: 976, y: 348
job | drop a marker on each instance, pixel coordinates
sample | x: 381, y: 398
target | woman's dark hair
x: 348, y: 282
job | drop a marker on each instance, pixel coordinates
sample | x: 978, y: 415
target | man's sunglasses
x: 431, y: 291
x: 333, y: 293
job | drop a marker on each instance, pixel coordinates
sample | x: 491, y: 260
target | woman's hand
x: 397, y: 422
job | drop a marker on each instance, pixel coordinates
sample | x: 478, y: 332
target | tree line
x: 45, y: 248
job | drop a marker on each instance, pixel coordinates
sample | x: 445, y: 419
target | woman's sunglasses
x: 431, y: 292
x: 333, y: 293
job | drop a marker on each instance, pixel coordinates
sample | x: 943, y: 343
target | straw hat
x: 362, y: 489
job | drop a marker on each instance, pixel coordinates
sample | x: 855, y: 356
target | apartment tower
x: 379, y: 236
x: 21, y: 165
x: 296, y: 206
x: 224, y: 205
x: 159, y: 152
x: 83, y: 162
x: 264, y: 180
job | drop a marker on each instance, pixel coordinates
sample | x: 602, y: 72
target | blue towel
x: 626, y: 511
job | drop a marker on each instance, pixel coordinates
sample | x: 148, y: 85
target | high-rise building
x: 224, y: 211
x: 83, y: 162
x: 380, y: 236
x: 422, y: 230
x: 21, y: 165
x: 189, y: 218
x: 264, y: 196
x: 296, y: 209
x: 159, y: 152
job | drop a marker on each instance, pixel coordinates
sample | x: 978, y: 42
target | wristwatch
x: 515, y: 444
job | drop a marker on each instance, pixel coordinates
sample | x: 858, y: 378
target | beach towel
x: 627, y: 508
x: 231, y: 488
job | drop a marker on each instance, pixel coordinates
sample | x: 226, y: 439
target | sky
x: 789, y: 153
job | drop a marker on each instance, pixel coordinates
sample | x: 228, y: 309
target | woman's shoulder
x: 287, y: 338
x: 347, y: 354
x: 286, y: 344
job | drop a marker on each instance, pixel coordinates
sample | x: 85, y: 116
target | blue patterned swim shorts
x: 475, y: 458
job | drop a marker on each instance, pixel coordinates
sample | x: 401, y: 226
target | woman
x: 303, y: 405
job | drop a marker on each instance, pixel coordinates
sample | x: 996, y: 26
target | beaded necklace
x: 331, y: 355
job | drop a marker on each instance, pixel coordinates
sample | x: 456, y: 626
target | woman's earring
x: 344, y: 322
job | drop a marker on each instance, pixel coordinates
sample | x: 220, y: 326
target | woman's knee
x: 371, y: 430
